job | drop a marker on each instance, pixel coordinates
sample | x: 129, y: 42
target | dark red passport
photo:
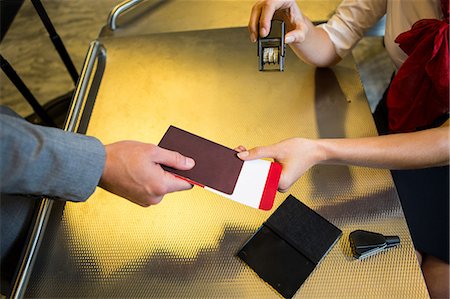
x: 216, y: 166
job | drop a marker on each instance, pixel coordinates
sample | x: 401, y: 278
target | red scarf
x: 419, y: 93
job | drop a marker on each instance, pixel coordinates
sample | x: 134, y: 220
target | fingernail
x: 263, y: 32
x: 289, y: 39
x: 190, y: 162
x: 253, y: 38
x: 243, y: 154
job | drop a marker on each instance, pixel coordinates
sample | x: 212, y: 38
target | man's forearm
x: 48, y: 161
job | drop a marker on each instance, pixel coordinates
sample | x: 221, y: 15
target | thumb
x: 296, y: 36
x: 173, y: 159
x: 257, y: 153
x: 174, y: 184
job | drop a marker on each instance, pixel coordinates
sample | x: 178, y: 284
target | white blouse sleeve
x: 351, y: 19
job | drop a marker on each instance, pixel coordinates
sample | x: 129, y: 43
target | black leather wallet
x: 289, y: 245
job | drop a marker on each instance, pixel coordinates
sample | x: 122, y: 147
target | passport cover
x: 216, y: 166
x: 289, y: 245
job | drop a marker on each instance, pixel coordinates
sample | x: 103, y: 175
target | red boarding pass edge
x: 256, y: 186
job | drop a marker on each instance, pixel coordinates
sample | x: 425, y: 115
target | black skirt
x: 424, y: 194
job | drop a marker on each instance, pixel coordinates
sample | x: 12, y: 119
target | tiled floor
x: 29, y: 50
x: 31, y: 53
x: 375, y: 68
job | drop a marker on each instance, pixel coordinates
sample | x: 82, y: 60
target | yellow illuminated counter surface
x: 207, y: 82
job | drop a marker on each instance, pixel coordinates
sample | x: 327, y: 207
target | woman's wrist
x: 324, y: 149
x: 314, y: 150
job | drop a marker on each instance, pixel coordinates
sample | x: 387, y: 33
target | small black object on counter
x: 365, y: 243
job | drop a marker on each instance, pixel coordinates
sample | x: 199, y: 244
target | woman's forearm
x: 398, y: 151
x: 317, y: 48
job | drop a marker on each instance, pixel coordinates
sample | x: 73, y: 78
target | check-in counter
x: 207, y: 82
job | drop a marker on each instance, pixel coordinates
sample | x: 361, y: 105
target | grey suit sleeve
x: 47, y: 161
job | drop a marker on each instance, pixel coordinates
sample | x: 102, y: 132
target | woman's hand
x: 295, y: 155
x: 311, y: 44
x: 266, y: 10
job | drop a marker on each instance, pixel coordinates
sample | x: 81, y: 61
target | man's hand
x: 132, y: 170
